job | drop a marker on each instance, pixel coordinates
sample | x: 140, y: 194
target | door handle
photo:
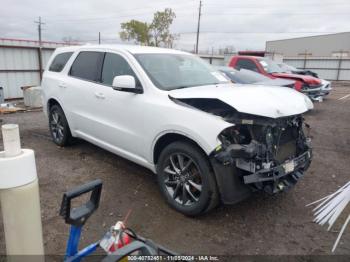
x: 62, y: 85
x: 100, y: 95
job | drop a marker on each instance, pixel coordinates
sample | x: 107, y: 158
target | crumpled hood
x: 275, y: 82
x: 268, y: 101
x: 305, y: 78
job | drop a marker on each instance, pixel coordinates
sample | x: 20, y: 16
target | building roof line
x: 37, y: 42
x: 307, y: 37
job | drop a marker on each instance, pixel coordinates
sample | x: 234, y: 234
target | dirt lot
x: 260, y: 225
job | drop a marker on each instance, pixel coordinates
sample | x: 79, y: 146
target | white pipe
x: 12, y: 142
x: 19, y: 195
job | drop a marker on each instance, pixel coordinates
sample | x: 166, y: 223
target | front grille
x: 313, y: 86
x: 286, y: 151
x: 286, y: 143
x: 282, y: 142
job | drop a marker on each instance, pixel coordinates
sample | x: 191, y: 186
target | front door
x: 119, y: 114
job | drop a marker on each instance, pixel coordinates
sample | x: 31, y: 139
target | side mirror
x: 126, y: 83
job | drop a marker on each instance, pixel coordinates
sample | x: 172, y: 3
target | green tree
x: 137, y: 31
x: 160, y: 27
x: 156, y: 33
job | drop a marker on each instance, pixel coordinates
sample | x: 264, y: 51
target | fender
x: 202, y: 144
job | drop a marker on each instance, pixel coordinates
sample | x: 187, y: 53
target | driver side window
x: 246, y: 64
x: 115, y: 65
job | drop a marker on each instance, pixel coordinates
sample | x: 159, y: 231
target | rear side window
x: 60, y: 61
x: 246, y: 64
x: 115, y: 65
x: 88, y: 66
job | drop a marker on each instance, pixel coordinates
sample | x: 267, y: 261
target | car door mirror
x: 126, y: 83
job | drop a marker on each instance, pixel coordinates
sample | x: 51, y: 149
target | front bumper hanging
x: 237, y: 175
x: 317, y: 94
x: 290, y: 167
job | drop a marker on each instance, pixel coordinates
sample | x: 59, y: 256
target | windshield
x: 174, y: 71
x: 287, y: 68
x: 244, y: 76
x: 270, y: 66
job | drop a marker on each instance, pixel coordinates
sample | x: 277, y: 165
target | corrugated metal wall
x: 331, y: 68
x: 19, y: 64
x: 319, y: 45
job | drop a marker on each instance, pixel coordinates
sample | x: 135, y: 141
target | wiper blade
x: 206, y: 84
x: 181, y: 87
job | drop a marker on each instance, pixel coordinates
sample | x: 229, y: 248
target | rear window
x: 60, y: 61
x: 88, y: 66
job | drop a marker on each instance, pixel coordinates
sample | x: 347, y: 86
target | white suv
x: 208, y: 140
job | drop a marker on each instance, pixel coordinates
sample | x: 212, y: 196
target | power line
x: 104, y: 18
x: 224, y: 32
x: 279, y: 13
x: 125, y: 13
x: 256, y: 6
x: 266, y: 32
x: 315, y: 3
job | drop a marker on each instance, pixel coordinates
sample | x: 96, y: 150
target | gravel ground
x: 278, y: 225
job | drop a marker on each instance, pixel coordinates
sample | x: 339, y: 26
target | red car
x: 271, y: 69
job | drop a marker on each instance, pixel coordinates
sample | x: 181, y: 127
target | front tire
x: 59, y: 127
x: 186, y: 180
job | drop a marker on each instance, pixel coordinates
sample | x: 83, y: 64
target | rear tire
x: 59, y: 127
x: 186, y: 180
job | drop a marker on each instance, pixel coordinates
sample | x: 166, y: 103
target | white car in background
x: 316, y: 94
x: 208, y: 140
x: 326, y: 87
x: 319, y: 93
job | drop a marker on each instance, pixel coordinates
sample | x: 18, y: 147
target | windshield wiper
x: 190, y: 86
x: 180, y: 87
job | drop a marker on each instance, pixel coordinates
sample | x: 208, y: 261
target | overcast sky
x: 243, y: 24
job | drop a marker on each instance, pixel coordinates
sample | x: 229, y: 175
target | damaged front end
x: 268, y: 154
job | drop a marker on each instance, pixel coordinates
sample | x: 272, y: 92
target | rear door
x: 52, y: 78
x: 79, y: 88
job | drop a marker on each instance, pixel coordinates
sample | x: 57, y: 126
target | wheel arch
x: 54, y: 101
x: 169, y: 137
x: 51, y: 102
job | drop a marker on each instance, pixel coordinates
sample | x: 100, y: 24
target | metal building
x: 327, y: 55
x: 320, y: 45
x: 20, y: 64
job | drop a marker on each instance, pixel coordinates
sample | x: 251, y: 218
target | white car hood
x: 268, y: 101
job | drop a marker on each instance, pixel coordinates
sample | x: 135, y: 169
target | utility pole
x: 40, y: 46
x: 340, y: 63
x: 199, y: 23
x: 305, y: 54
x: 99, y: 38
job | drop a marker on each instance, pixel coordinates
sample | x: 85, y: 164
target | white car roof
x: 134, y: 49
